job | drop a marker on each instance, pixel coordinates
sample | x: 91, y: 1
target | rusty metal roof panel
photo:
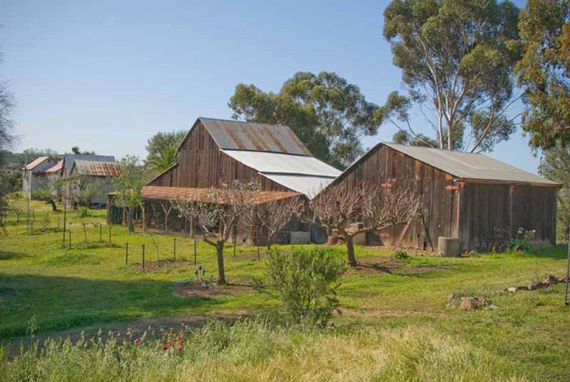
x: 236, y: 135
x: 470, y: 166
x: 94, y: 168
x: 279, y: 163
x: 205, y: 194
x: 69, y: 159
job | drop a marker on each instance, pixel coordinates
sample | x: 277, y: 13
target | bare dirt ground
x: 382, y: 265
x: 197, y: 288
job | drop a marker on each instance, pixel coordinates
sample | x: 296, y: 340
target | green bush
x: 305, y: 281
x: 83, y: 212
x: 401, y: 255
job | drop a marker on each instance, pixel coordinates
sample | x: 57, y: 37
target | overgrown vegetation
x: 306, y: 282
x: 261, y: 351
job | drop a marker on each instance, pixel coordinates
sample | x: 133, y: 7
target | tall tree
x: 328, y: 114
x: 457, y: 60
x: 162, y: 150
x: 129, y: 186
x: 6, y: 138
x: 544, y: 71
x: 555, y: 165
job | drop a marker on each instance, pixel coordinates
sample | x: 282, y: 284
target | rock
x: 511, y: 290
x: 550, y: 280
x: 469, y: 303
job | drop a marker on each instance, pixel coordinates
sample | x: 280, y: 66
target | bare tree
x: 217, y: 212
x: 365, y: 207
x: 166, y: 208
x: 270, y: 218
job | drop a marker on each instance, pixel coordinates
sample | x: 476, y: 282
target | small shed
x: 473, y: 197
x: 34, y: 173
x: 96, y: 174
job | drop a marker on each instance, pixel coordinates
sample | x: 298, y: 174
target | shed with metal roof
x: 477, y: 199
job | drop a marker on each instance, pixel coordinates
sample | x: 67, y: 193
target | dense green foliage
x: 544, y: 71
x: 306, y: 281
x: 456, y: 60
x: 555, y: 165
x: 162, y: 150
x: 328, y: 114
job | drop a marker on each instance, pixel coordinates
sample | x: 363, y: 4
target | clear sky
x: 106, y: 75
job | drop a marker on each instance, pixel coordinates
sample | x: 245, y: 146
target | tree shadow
x: 9, y: 255
x: 44, y: 304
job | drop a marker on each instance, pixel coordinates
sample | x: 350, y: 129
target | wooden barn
x: 215, y: 151
x: 477, y: 199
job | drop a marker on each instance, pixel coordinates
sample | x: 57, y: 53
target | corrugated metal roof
x: 55, y: 168
x: 309, y: 186
x: 94, y: 168
x: 69, y: 159
x: 36, y: 162
x: 204, y: 194
x: 236, y: 135
x: 279, y: 163
x: 470, y: 166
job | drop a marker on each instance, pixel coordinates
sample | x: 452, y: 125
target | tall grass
x: 260, y: 351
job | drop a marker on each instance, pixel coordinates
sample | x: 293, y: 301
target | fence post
x: 127, y: 254
x: 64, y: 221
x: 567, y: 273
x: 109, y: 233
x: 143, y: 257
x: 70, y: 238
x: 174, y: 249
x: 101, y: 232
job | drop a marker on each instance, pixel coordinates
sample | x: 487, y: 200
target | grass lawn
x: 47, y: 288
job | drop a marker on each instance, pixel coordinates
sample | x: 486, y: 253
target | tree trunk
x: 350, y: 250
x: 221, y: 270
x: 130, y: 219
x: 53, y: 205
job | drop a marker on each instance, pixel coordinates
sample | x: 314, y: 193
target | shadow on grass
x: 559, y: 251
x: 8, y: 255
x: 48, y: 303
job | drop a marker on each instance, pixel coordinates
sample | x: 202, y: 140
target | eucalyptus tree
x: 544, y: 71
x: 457, y: 59
x: 326, y: 112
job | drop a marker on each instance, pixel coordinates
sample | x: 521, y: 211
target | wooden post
x: 109, y: 233
x: 101, y: 233
x: 143, y: 257
x: 64, y: 221
x: 70, y: 238
x: 567, y: 273
x: 174, y: 249
x: 127, y: 254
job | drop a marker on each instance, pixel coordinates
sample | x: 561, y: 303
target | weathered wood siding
x: 439, y: 201
x: 201, y: 164
x: 488, y: 210
x: 471, y: 211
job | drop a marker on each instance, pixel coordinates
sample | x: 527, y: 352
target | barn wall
x: 489, y: 213
x: 439, y: 196
x: 201, y: 164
